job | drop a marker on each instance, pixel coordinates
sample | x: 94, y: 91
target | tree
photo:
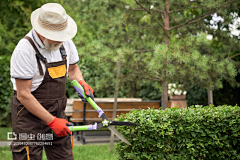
x: 100, y: 40
x: 129, y: 29
x: 224, y: 32
x: 169, y: 16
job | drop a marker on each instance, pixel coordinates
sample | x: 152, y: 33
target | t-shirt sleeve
x: 74, y: 58
x: 22, y: 66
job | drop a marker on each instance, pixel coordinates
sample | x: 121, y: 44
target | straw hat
x: 52, y: 22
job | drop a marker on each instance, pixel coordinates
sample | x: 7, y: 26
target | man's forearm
x: 74, y: 73
x: 33, y: 106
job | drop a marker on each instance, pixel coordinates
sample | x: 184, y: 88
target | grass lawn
x: 83, y: 152
x: 3, y: 131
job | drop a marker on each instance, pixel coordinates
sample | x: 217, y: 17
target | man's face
x: 52, y: 45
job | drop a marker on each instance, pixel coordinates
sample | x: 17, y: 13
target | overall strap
x: 63, y: 52
x: 38, y: 55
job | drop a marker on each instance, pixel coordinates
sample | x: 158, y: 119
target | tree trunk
x: 164, y: 99
x: 133, y: 90
x: 115, y: 100
x: 210, y: 96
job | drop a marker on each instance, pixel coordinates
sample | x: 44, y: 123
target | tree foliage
x: 101, y: 40
x: 133, y: 29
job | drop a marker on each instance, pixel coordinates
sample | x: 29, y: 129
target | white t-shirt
x: 24, y: 63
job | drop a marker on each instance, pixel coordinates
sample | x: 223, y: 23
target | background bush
x: 14, y: 25
x: 193, y: 133
x: 6, y: 91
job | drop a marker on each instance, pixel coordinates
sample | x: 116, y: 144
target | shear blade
x: 119, y: 123
x: 114, y: 131
x: 111, y: 128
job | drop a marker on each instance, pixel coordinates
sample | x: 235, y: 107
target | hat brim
x: 68, y: 33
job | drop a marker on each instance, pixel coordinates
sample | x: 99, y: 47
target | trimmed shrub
x: 193, y: 133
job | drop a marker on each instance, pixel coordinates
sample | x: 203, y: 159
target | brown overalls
x: 51, y: 95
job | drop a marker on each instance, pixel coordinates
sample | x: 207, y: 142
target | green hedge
x: 194, y: 133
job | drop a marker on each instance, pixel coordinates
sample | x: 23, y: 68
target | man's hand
x: 87, y: 88
x: 59, y: 127
x: 75, y: 74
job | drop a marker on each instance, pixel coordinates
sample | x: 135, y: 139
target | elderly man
x: 39, y: 66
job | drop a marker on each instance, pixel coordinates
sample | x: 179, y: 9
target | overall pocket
x: 56, y: 72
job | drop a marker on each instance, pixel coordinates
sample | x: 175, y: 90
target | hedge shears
x: 104, y: 123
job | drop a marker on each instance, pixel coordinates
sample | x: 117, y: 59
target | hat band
x: 53, y: 27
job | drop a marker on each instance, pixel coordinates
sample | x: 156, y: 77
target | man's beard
x: 54, y: 46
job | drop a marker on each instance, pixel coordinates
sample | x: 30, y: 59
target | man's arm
x: 24, y: 95
x: 30, y: 102
x: 74, y: 73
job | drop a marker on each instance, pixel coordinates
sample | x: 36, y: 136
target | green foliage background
x: 14, y: 24
x: 6, y: 90
x: 193, y: 133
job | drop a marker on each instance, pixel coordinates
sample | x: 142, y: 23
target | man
x: 39, y: 66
